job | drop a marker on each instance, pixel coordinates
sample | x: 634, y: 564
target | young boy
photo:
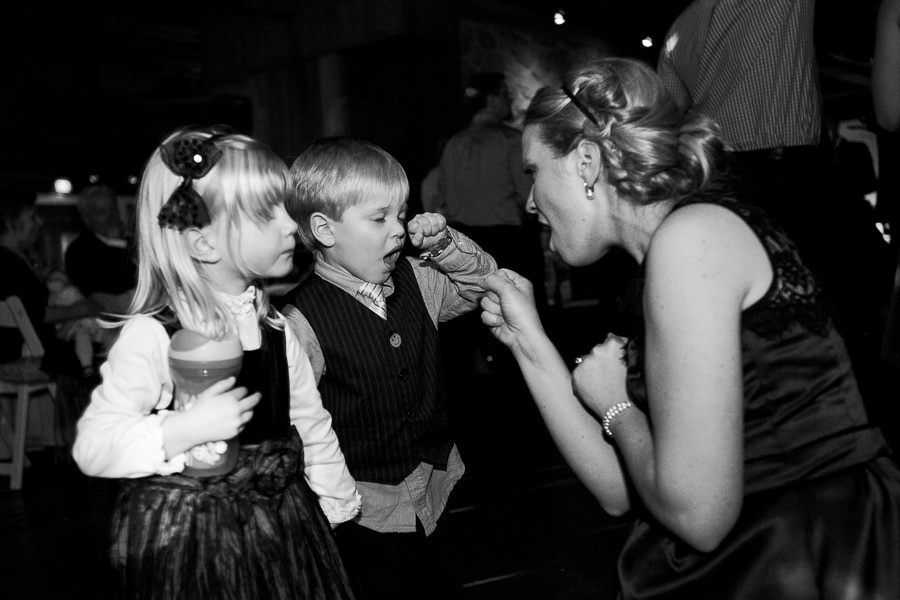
x: 376, y: 359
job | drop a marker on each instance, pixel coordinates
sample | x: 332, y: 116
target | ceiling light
x: 62, y: 186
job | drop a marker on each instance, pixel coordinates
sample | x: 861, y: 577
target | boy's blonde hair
x: 247, y: 181
x: 333, y: 174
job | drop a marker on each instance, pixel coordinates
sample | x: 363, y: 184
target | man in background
x: 100, y: 261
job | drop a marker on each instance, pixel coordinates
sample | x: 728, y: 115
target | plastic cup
x: 195, y: 363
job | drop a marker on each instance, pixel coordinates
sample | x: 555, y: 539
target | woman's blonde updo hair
x: 650, y: 150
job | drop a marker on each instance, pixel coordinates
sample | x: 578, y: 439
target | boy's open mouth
x: 390, y: 259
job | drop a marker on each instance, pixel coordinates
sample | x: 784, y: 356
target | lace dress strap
x: 794, y: 297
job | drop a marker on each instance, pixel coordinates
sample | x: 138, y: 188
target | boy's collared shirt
x: 450, y: 290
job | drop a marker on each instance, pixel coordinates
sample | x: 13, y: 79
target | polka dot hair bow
x: 191, y: 158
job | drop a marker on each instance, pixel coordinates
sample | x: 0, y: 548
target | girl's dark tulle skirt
x: 257, y: 532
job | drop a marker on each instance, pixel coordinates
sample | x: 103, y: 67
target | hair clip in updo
x: 573, y: 96
x: 191, y: 158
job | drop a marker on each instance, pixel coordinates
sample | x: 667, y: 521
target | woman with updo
x: 728, y: 422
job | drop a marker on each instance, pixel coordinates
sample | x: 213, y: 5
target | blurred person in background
x: 101, y: 260
x: 19, y: 233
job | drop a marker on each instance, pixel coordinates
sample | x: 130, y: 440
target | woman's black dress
x: 821, y: 511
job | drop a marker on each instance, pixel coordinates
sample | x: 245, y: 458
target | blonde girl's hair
x: 651, y: 150
x: 334, y: 173
x: 247, y: 181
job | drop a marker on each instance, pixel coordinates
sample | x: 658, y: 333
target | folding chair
x: 19, y: 381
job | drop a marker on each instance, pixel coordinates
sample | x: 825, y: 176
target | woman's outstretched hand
x: 509, y: 307
x: 599, y: 378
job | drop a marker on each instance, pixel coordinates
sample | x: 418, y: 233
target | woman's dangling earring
x: 588, y: 191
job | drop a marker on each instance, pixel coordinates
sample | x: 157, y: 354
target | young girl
x: 211, y: 224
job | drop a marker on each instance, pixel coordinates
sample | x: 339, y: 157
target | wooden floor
x: 523, y: 526
x: 537, y: 535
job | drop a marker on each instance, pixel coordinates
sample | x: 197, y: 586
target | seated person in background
x: 83, y: 332
x: 19, y: 227
x: 104, y: 241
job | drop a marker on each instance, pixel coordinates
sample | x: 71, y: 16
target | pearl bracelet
x: 611, y: 414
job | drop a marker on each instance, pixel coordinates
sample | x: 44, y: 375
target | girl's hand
x: 220, y: 412
x: 426, y: 229
x: 509, y: 307
x: 599, y: 379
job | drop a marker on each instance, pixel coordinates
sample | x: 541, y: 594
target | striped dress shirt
x: 750, y: 65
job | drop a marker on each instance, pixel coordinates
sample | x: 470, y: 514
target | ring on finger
x: 579, y: 360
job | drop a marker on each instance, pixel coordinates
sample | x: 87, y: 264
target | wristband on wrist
x: 614, y: 411
x: 437, y: 249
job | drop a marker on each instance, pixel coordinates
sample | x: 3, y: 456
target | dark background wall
x: 90, y: 88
